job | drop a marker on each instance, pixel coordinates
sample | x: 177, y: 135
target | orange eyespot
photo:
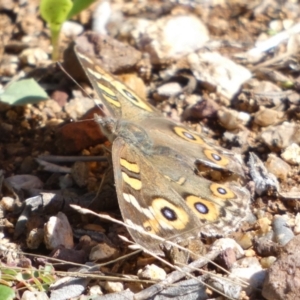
x: 167, y: 213
x: 204, y: 209
x: 222, y: 191
x: 188, y: 136
x: 216, y: 157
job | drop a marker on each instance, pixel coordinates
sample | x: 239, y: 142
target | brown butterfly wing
x: 148, y: 201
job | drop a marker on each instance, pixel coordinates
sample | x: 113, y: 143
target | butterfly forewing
x: 121, y: 101
x: 155, y: 163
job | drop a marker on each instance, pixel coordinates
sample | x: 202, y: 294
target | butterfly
x: 160, y: 169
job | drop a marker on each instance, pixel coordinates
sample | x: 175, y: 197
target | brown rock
x: 58, y: 232
x: 61, y: 97
x: 74, y: 137
x: 72, y: 255
x: 283, y: 277
x: 113, y: 55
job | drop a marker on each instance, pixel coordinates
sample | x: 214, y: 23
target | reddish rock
x: 74, y: 137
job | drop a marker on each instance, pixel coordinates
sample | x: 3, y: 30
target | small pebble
x: 53, y: 104
x: 291, y: 154
x: 6, y: 127
x: 282, y: 233
x: 287, y: 23
x: 199, y: 108
x: 218, y: 71
x: 281, y: 136
x: 250, y: 253
x: 58, y: 232
x: 297, y: 224
x: 266, y: 116
x: 28, y: 165
x: 266, y: 262
x: 186, y: 290
x: 66, y: 181
x: 60, y: 98
x: 152, y: 272
x: 25, y: 181
x: 224, y: 286
x: 232, y: 119
x: 277, y: 166
x: 95, y: 290
x: 265, y: 246
x: 245, y: 241
x: 173, y: 37
x: 102, y: 251
x: 225, y: 243
x: 77, y: 107
x: 8, y: 203
x: 29, y: 295
x: 135, y: 287
x: 276, y: 25
x: 35, y: 238
x: 113, y: 286
x: 32, y: 56
x: 101, y: 16
x: 80, y: 173
x: 169, y: 89
x: 9, y: 65
x: 264, y: 225
x: 71, y: 29
x: 250, y: 270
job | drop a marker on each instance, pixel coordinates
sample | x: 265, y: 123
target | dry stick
x: 57, y: 158
x: 177, y: 275
x: 100, y: 186
x: 216, y: 249
x: 272, y: 61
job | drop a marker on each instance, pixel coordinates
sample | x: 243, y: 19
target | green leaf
x: 48, y: 279
x: 55, y: 11
x: 9, y: 271
x: 48, y: 269
x: 78, y: 6
x: 39, y: 286
x: 22, y: 277
x: 6, y: 293
x: 23, y: 92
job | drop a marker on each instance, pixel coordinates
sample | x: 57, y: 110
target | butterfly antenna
x: 80, y: 87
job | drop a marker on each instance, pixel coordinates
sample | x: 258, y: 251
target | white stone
x: 169, y: 89
x: 152, y: 272
x: 101, y: 17
x: 172, y: 37
x: 29, y: 295
x: 218, y: 71
x: 102, y: 251
x: 32, y: 56
x: 297, y: 224
x: 25, y: 181
x: 291, y: 154
x: 250, y: 270
x: 225, y: 243
x: 58, y: 232
x: 70, y: 29
x: 113, y: 286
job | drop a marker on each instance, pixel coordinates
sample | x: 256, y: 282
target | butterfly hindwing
x: 147, y: 200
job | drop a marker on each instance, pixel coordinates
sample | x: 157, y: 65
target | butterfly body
x: 157, y: 166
